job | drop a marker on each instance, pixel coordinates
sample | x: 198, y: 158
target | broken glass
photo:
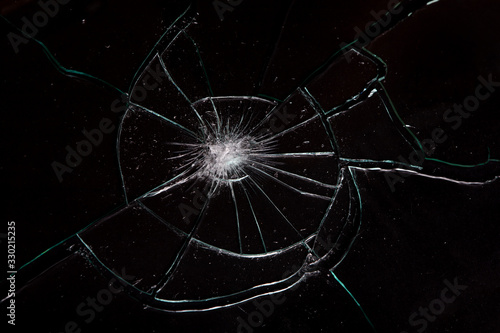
x: 236, y: 192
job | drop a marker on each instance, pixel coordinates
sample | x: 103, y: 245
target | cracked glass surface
x: 243, y: 180
x: 235, y: 192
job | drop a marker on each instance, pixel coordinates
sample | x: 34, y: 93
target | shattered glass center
x: 224, y: 158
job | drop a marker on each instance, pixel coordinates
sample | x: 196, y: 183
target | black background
x: 428, y: 231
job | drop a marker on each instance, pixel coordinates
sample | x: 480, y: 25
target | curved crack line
x: 168, y: 120
x: 237, y: 216
x: 295, y: 175
x: 200, y: 119
x: 254, y: 217
x: 180, y: 254
x: 312, y: 195
x: 281, y: 213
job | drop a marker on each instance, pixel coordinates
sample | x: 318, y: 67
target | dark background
x: 428, y: 231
